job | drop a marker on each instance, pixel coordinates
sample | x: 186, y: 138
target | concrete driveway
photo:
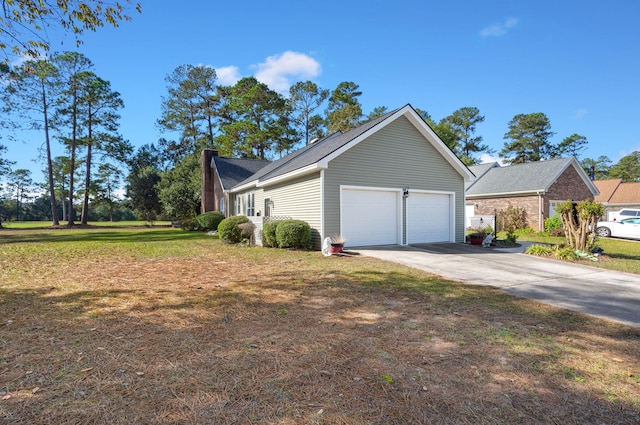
x: 590, y: 290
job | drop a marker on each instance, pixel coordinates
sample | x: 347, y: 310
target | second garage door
x: 370, y: 216
x: 429, y: 218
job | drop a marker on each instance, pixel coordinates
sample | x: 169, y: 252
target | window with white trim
x: 251, y: 209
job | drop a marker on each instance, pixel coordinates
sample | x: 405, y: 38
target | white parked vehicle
x: 622, y: 214
x: 627, y: 228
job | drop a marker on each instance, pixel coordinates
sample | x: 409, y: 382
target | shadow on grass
x: 284, y: 348
x: 94, y: 235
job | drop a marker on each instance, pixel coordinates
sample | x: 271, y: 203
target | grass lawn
x: 162, y: 326
x: 619, y: 254
x: 47, y: 224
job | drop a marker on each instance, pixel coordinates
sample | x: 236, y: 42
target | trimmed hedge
x: 209, y: 220
x: 229, y: 229
x: 293, y: 234
x: 269, y: 234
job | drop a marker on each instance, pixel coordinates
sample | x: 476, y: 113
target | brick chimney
x: 208, y: 202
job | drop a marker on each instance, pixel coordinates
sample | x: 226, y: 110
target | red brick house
x: 535, y: 186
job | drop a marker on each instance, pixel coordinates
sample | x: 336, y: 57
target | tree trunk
x: 72, y: 165
x: 52, y: 191
x: 87, y: 183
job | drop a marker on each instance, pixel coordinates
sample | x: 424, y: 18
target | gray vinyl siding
x: 299, y: 199
x: 396, y: 156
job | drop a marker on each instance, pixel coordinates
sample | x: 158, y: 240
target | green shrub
x: 229, y: 229
x: 269, y: 234
x: 209, y: 220
x: 511, y: 238
x: 553, y: 226
x: 188, y: 224
x: 293, y: 234
x: 540, y: 250
x: 565, y: 254
x: 511, y: 219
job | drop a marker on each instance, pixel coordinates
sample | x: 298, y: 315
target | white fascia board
x: 422, y: 127
x: 437, y: 143
x: 507, y: 194
x: 245, y: 186
x: 583, y: 175
x: 324, y: 162
x: 585, y: 178
x: 292, y: 174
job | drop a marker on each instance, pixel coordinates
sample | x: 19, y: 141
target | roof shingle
x: 234, y: 170
x: 626, y: 193
x: 312, y: 153
x: 606, y: 188
x: 519, y: 178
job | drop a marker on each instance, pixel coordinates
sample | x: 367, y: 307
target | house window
x: 222, y: 205
x: 267, y: 207
x: 238, y: 206
x: 552, y: 207
x: 251, y: 210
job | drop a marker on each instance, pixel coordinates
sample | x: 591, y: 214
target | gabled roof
x: 520, y: 179
x: 606, y: 188
x: 316, y: 156
x: 234, y: 170
x: 626, y: 193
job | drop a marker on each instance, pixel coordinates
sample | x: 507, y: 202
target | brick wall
x: 568, y: 186
x: 208, y: 202
x: 529, y: 203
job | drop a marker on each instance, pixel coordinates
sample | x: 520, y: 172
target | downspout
x: 539, y: 211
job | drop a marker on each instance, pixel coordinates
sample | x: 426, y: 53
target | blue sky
x: 576, y: 61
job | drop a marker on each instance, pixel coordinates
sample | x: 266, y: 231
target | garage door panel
x: 369, y: 217
x: 428, y: 218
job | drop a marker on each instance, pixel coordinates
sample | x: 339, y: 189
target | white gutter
x: 506, y: 194
x: 540, y: 225
x: 296, y: 173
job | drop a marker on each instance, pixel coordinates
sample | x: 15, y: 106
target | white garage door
x: 429, y: 218
x: 370, y: 217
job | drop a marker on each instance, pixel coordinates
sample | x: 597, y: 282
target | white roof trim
x: 585, y: 178
x: 507, y: 194
x: 422, y: 127
x: 245, y: 186
x: 296, y: 173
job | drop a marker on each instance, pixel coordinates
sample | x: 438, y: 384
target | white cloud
x: 228, y: 75
x: 499, y: 29
x: 278, y: 71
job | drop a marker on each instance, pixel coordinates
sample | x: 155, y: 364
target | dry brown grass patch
x: 230, y: 335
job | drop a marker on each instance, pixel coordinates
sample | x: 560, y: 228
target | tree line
x: 64, y: 99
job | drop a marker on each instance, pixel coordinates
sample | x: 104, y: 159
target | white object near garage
x: 375, y: 216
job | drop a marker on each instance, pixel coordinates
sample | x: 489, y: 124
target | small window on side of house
x: 251, y: 210
x: 222, y: 205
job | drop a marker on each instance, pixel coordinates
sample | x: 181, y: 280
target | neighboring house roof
x: 606, y: 188
x: 520, y: 179
x: 626, y: 193
x: 316, y: 156
x: 480, y: 170
x: 234, y: 170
